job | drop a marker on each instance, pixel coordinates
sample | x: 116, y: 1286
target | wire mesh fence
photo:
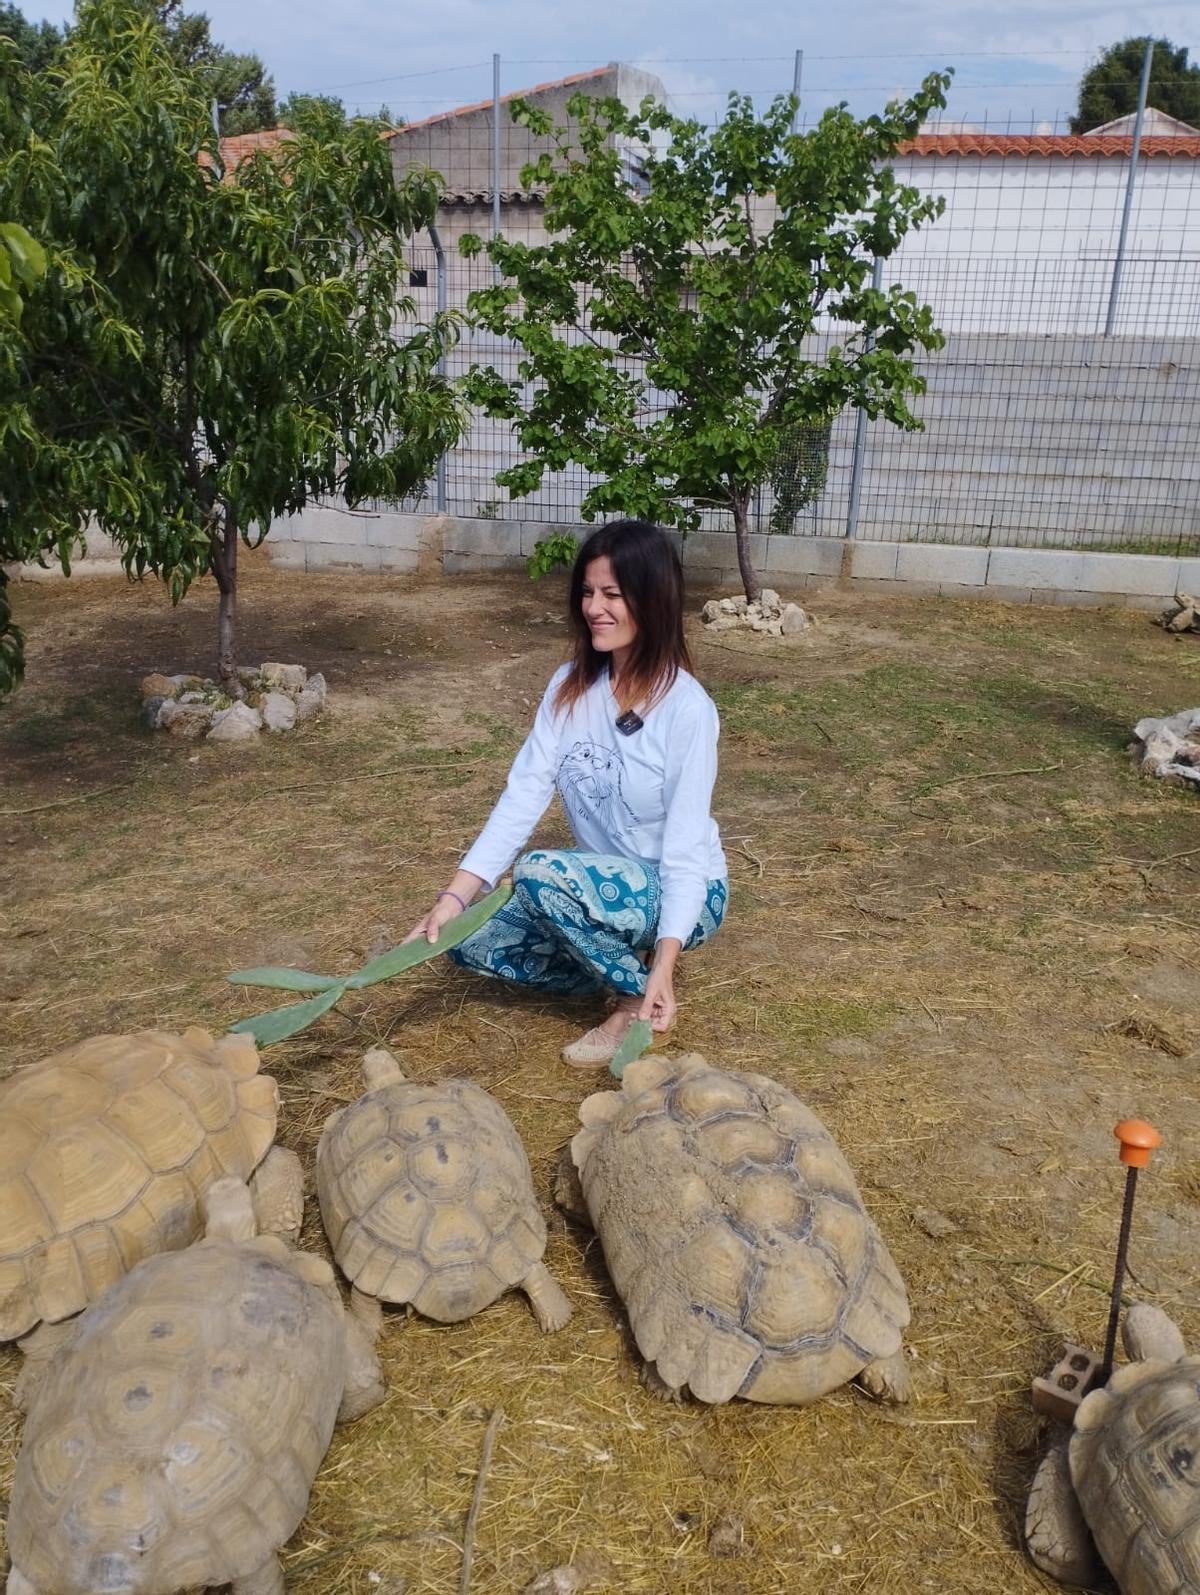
x: 1038, y: 429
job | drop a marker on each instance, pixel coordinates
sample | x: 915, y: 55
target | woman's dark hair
x: 650, y: 576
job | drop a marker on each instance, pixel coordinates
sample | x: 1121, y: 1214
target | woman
x: 629, y: 738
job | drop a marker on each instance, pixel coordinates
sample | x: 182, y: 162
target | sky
x: 1016, y: 63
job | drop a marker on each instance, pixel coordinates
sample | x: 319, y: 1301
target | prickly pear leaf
x: 284, y: 979
x: 279, y: 1023
x: 409, y: 954
x: 637, y: 1040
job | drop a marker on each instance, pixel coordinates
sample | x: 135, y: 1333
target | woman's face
x: 605, y: 611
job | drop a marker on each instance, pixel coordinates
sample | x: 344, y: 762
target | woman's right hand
x: 430, y: 925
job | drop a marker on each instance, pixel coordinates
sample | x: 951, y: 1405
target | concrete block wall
x: 324, y: 539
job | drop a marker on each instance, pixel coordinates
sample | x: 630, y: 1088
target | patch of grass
x: 822, y: 1017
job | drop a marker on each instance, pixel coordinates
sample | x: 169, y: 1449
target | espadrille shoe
x: 595, y: 1050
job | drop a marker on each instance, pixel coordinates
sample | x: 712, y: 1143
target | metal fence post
x: 860, y: 427
x: 1114, y: 291
x: 797, y: 73
x: 440, y: 253
x: 495, y: 158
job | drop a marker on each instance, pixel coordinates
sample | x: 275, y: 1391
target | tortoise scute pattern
x: 106, y: 1149
x: 426, y: 1196
x: 735, y: 1233
x: 175, y: 1441
x: 1135, y: 1464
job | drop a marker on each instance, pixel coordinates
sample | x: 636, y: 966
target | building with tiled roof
x: 238, y: 146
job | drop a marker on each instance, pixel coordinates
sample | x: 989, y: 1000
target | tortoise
x: 1122, y: 1482
x: 737, y: 1239
x: 173, y: 1441
x: 106, y: 1150
x: 427, y: 1199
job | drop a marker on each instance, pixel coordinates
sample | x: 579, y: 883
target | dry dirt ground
x: 960, y: 928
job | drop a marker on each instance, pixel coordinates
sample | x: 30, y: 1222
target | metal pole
x: 797, y: 74
x: 1115, y: 290
x: 440, y: 253
x: 495, y: 158
x: 860, y: 427
x: 1114, y: 1311
x: 216, y: 122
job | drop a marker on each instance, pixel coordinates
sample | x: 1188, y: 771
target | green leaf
x: 410, y: 954
x: 637, y: 1040
x: 284, y: 979
x: 28, y: 256
x: 280, y: 1023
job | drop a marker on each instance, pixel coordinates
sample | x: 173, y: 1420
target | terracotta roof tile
x: 238, y: 146
x: 1066, y: 145
x: 486, y: 105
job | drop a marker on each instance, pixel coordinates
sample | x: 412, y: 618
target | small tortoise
x: 1124, y: 1480
x: 106, y: 1150
x: 427, y: 1198
x: 173, y: 1441
x: 737, y: 1239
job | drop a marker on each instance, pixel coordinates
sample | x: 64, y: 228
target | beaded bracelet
x: 456, y: 897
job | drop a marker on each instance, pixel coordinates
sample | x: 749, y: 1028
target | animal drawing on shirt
x: 589, y: 780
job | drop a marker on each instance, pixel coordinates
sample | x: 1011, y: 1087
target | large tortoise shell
x: 1135, y: 1465
x: 735, y: 1234
x: 175, y: 1440
x: 106, y: 1150
x: 427, y: 1198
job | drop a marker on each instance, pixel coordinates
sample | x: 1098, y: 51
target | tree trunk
x: 741, y: 526
x: 224, y: 563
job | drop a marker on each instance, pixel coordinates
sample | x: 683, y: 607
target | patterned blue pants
x: 579, y: 922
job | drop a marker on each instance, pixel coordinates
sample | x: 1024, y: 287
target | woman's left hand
x: 658, y: 1005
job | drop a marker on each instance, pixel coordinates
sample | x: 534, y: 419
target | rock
x: 769, y: 599
x: 312, y: 700
x: 287, y: 678
x: 936, y: 1225
x: 729, y: 606
x: 793, y: 621
x: 248, y: 675
x: 185, y: 682
x: 238, y: 723
x: 151, y: 709
x: 192, y: 697
x: 728, y: 1536
x: 589, y: 1570
x: 185, y: 720
x: 710, y: 611
x: 277, y: 712
x: 758, y: 623
x: 158, y: 686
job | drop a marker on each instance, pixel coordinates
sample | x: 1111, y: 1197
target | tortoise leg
x: 550, y: 1305
x: 278, y: 1188
x: 268, y: 1580
x: 364, y: 1387
x: 18, y: 1584
x: 658, y: 1386
x: 1056, y: 1536
x: 39, y: 1347
x: 887, y: 1379
x: 368, y: 1311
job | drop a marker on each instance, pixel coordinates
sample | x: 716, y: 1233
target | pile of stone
x: 1169, y: 748
x: 1183, y: 615
x: 770, y: 615
x: 274, y: 698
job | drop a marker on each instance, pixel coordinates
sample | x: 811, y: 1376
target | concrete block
x: 1150, y: 574
x: 1080, y: 600
x: 718, y: 550
x: 286, y: 556
x: 803, y: 556
x: 398, y: 561
x: 1188, y: 576
x: 321, y: 523
x: 1033, y: 567
x: 1144, y: 601
x: 457, y: 564
x: 340, y: 556
x: 939, y: 562
x: 1007, y: 595
x: 395, y: 531
x: 494, y: 539
x: 890, y: 588
x: 874, y: 561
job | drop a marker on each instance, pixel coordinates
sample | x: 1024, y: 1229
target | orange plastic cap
x: 1138, y: 1139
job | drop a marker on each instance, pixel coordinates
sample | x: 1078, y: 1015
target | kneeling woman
x: 629, y: 738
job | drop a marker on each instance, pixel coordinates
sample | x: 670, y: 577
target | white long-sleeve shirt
x: 646, y: 796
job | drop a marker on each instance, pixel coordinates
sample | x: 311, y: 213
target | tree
x: 667, y: 335
x: 1109, y: 88
x: 36, y: 43
x: 22, y: 266
x: 238, y: 82
x: 204, y: 355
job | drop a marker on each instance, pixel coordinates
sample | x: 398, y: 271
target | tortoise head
x: 229, y: 1210
x: 380, y: 1068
